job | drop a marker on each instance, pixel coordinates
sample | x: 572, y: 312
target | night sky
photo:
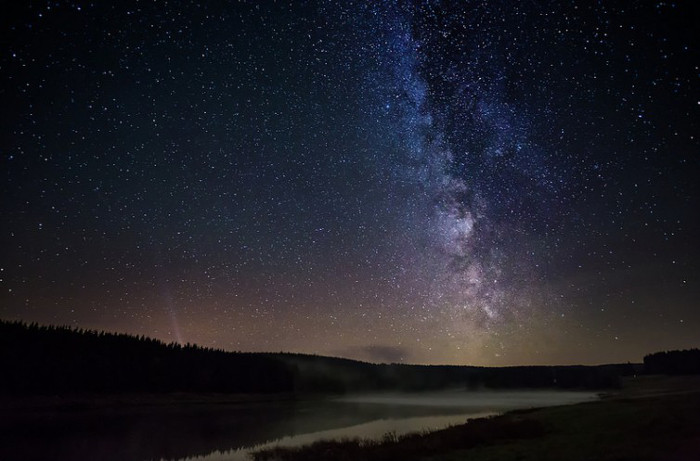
x: 488, y: 183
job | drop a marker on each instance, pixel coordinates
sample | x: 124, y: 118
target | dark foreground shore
x: 651, y: 418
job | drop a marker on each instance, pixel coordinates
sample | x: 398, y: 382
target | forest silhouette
x: 37, y: 359
x: 685, y: 362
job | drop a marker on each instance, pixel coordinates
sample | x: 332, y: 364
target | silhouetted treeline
x: 329, y: 374
x: 685, y: 362
x: 38, y: 359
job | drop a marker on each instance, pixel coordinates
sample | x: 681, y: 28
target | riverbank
x: 650, y: 418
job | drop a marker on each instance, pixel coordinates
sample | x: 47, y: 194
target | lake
x: 229, y: 432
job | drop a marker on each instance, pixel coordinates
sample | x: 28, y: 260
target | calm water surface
x: 231, y: 432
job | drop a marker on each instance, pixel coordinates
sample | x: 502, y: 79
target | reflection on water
x: 229, y: 431
x: 370, y: 430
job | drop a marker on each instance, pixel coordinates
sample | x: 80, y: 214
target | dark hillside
x: 343, y: 375
x: 38, y: 359
x: 46, y: 359
x: 685, y: 362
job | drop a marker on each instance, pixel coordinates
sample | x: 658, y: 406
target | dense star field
x: 482, y: 183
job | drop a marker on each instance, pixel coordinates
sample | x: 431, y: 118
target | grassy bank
x: 651, y: 418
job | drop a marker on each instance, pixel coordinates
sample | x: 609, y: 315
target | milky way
x: 435, y: 182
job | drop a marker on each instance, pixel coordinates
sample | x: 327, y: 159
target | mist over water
x: 495, y: 400
x: 230, y: 432
x: 401, y: 413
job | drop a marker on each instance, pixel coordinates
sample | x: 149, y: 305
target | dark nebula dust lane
x: 489, y: 183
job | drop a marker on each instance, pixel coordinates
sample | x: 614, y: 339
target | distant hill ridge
x: 36, y: 359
